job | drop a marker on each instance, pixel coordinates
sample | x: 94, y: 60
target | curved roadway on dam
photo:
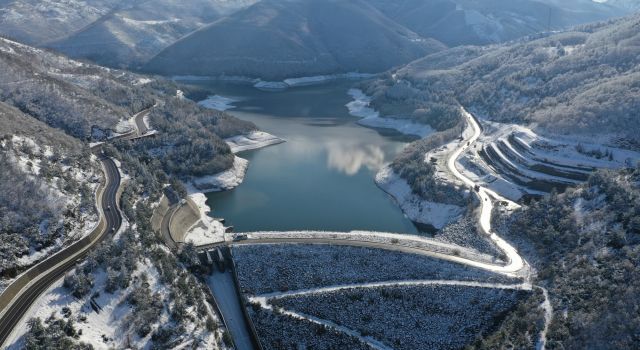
x: 514, y: 265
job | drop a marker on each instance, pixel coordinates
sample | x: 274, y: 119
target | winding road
x: 141, y: 126
x: 486, y: 196
x: 20, y: 295
x: 515, y: 265
x: 16, y: 300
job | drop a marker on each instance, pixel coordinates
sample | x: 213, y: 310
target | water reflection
x: 350, y: 158
x: 322, y: 177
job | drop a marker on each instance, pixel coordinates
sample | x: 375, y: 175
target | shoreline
x: 361, y: 107
x: 253, y: 140
x: 207, y: 229
x: 277, y: 85
x: 418, y: 210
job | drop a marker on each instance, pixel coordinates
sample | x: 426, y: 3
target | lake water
x: 322, y: 178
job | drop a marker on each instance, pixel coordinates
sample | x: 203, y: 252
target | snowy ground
x: 207, y: 230
x: 112, y: 326
x: 524, y: 162
x: 417, y: 209
x: 360, y: 107
x: 84, y: 223
x: 253, y: 140
x: 105, y: 330
x: 225, y: 180
x: 124, y: 127
x: 275, y: 268
x: 220, y: 103
x: 107, y: 322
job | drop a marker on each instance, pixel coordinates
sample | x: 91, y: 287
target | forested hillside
x: 582, y: 81
x: 47, y: 187
x: 282, y: 39
x: 585, y: 244
x: 311, y: 36
x: 118, y: 33
x: 93, y: 103
x: 469, y: 22
x: 190, y: 139
x: 133, y: 33
x: 85, y: 101
x: 50, y: 108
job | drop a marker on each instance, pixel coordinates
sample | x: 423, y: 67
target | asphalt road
x: 139, y: 118
x: 42, y: 275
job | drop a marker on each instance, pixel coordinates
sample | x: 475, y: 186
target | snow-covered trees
x: 418, y: 317
x: 582, y: 81
x: 189, y: 140
x: 54, y: 334
x: 78, y: 283
x: 586, y: 246
x: 41, y: 202
x: 279, y: 331
x: 295, y: 267
x: 419, y: 174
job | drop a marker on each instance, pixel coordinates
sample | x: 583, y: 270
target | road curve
x: 515, y: 266
x: 141, y: 126
x: 400, y: 246
x: 486, y: 195
x: 16, y: 300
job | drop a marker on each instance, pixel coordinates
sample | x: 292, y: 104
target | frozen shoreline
x: 306, y: 81
x: 223, y: 181
x: 207, y: 230
x: 360, y: 107
x: 220, y: 103
x: 252, y: 140
x: 418, y: 210
x: 277, y: 85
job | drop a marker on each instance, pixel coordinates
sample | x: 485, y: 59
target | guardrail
x: 26, y: 278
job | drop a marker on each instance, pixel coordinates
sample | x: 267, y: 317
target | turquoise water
x: 322, y: 178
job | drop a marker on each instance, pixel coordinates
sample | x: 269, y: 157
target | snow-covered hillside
x: 47, y: 187
x: 115, y: 32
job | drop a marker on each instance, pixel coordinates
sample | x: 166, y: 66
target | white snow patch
x: 218, y: 102
x: 271, y: 85
x: 225, y: 180
x: 417, y: 209
x: 207, y: 230
x: 360, y: 107
x: 142, y: 81
x: 320, y: 79
x: 252, y: 140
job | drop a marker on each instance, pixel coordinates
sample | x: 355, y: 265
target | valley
x: 319, y: 174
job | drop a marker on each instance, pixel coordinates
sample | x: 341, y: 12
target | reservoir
x: 322, y: 178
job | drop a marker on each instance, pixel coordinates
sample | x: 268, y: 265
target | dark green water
x: 322, y: 178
